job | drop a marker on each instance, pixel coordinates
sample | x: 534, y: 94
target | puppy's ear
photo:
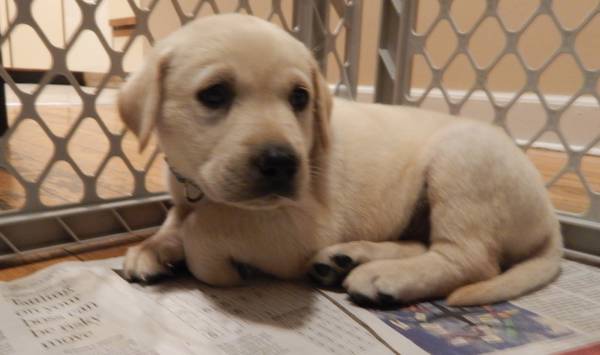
x: 322, y: 103
x: 322, y: 111
x: 141, y: 97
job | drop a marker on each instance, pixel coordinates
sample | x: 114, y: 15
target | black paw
x: 361, y: 300
x: 145, y: 280
x: 324, y: 274
x: 386, y: 301
x: 382, y: 301
x: 332, y: 274
x: 343, y: 261
x: 246, y: 271
x: 176, y: 269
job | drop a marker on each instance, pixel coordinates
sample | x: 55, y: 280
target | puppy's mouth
x: 272, y: 179
x: 256, y: 197
x: 266, y: 202
x: 263, y: 203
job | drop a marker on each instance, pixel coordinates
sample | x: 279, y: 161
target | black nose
x: 277, y: 165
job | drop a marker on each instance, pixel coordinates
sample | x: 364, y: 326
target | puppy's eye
x: 216, y: 96
x: 299, y: 98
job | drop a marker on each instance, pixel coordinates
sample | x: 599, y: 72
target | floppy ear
x: 322, y: 103
x: 140, y: 98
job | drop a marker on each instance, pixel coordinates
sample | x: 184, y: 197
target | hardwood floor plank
x: 13, y: 273
x: 22, y: 271
x: 30, y: 149
x: 105, y: 253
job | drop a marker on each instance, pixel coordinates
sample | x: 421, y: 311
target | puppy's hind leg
x: 156, y: 255
x: 464, y: 249
x: 330, y: 265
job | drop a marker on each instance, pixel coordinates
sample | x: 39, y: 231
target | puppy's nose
x: 277, y: 165
x: 277, y: 162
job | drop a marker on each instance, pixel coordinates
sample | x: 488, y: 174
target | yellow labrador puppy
x: 268, y: 171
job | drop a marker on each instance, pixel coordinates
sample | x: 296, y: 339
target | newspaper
x: 75, y: 308
x: 87, y: 308
x: 563, y: 317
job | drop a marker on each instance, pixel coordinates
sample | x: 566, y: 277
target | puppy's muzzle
x: 277, y: 167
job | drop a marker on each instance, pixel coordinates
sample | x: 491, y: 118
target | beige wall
x: 166, y: 22
x: 562, y: 77
x: 369, y: 41
x: 24, y: 48
x: 58, y: 20
x: 5, y: 18
x: 536, y: 45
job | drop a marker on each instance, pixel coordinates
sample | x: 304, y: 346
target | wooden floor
x: 30, y: 151
x: 21, y: 271
x: 567, y: 193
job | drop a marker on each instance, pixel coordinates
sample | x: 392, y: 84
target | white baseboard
x: 580, y: 123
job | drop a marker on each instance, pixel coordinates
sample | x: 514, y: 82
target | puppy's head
x: 239, y: 107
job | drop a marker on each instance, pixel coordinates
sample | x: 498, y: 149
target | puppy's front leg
x: 154, y: 256
x: 330, y: 265
x: 209, y: 258
x: 433, y: 274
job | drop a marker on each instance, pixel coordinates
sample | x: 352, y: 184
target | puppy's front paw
x: 382, y: 283
x: 147, y: 262
x: 330, y: 265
